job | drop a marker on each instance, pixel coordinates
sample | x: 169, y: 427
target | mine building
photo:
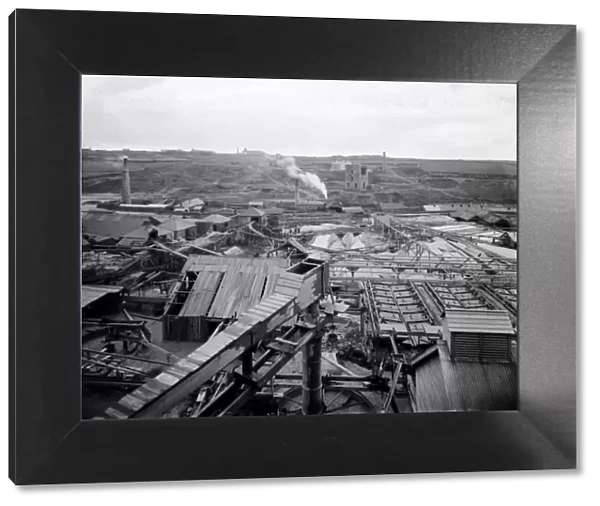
x: 357, y: 177
x: 250, y: 215
x: 339, y: 165
x: 214, y: 223
x: 182, y: 229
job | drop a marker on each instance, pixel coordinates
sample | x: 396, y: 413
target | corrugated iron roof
x: 91, y: 293
x: 229, y: 285
x: 177, y: 224
x: 110, y: 225
x: 441, y: 384
x: 215, y: 218
x: 479, y: 321
x: 251, y: 212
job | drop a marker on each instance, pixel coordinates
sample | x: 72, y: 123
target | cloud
x: 302, y: 117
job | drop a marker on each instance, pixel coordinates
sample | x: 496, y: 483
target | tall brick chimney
x: 126, y: 188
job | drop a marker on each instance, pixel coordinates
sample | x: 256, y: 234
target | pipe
x: 247, y: 363
x: 312, y: 384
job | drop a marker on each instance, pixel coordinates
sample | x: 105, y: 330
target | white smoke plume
x: 309, y: 179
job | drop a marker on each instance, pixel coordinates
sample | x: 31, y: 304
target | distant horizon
x: 388, y: 155
x: 435, y: 121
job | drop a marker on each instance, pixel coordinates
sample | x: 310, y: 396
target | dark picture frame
x: 50, y: 50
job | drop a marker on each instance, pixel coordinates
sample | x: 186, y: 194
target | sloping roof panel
x: 479, y: 321
x: 214, y: 218
x: 445, y: 385
x: 251, y: 212
x: 227, y: 286
x: 110, y: 225
x: 177, y: 224
x: 353, y: 210
x: 91, y: 293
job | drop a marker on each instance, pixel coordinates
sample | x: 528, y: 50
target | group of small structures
x: 269, y: 309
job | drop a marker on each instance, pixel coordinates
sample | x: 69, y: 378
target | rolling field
x: 239, y: 178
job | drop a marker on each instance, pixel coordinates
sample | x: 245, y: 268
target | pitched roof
x: 215, y: 218
x: 177, y: 224
x: 251, y: 212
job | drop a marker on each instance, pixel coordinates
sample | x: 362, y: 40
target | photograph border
x: 50, y: 50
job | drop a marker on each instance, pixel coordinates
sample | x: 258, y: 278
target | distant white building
x: 339, y: 165
x: 192, y: 205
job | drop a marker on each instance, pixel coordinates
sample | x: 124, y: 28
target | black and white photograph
x: 256, y: 247
x: 225, y: 227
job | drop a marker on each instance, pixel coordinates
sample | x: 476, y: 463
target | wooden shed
x: 215, y: 290
x: 481, y: 335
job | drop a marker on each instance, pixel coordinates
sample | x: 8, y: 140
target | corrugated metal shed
x: 478, y: 321
x: 110, y: 225
x: 440, y: 384
x: 251, y: 212
x: 177, y: 224
x: 91, y: 293
x: 228, y: 286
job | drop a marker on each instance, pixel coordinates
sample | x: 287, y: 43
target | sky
x: 301, y: 117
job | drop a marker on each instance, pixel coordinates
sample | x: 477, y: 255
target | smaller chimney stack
x: 297, y: 192
x: 126, y: 189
